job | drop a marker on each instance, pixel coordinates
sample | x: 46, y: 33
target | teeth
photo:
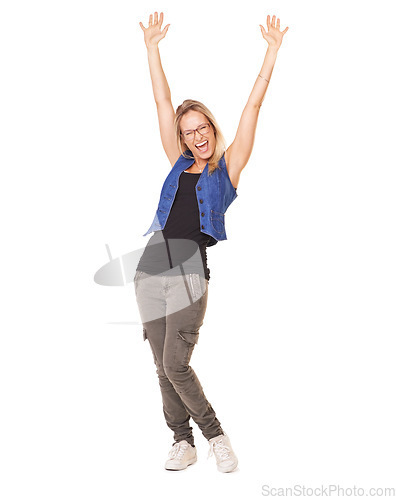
x: 202, y: 143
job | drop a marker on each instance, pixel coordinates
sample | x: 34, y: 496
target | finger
x: 165, y: 30
x: 278, y: 23
x: 161, y: 19
x: 268, y: 21
x: 273, y: 20
x: 155, y: 17
x: 151, y: 19
x: 143, y: 28
x: 284, y: 31
x: 263, y: 32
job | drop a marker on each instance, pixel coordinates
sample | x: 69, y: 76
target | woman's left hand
x: 274, y: 36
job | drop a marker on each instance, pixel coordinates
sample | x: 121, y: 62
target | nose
x: 199, y: 133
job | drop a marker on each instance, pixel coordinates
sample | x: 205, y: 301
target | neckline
x: 189, y: 173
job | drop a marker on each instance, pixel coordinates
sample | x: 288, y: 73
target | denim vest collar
x: 214, y: 193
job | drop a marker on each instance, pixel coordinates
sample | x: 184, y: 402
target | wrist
x: 152, y: 47
x: 272, y: 48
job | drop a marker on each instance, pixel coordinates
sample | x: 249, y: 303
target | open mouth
x: 202, y: 146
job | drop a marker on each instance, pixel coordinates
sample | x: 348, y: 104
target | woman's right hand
x: 153, y: 33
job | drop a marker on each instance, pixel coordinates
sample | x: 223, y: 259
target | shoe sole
x: 220, y: 469
x: 190, y: 462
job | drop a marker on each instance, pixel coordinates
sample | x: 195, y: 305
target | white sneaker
x: 225, y: 457
x: 181, y: 456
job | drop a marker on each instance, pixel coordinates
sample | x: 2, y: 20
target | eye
x: 204, y: 128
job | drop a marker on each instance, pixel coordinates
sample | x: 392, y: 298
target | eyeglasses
x: 203, y: 129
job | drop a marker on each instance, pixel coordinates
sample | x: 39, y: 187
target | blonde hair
x: 220, y: 146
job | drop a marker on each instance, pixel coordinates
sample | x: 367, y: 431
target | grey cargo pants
x: 172, y: 309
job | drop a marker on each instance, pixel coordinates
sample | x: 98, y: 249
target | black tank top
x: 181, y: 245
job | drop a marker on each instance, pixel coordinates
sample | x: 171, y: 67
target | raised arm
x: 162, y: 95
x: 238, y: 153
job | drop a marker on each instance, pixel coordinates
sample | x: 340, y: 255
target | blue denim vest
x: 215, y: 193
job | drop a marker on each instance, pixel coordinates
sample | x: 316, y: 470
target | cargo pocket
x: 217, y: 221
x: 185, y: 344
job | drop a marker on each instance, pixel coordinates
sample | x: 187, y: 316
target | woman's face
x: 193, y: 120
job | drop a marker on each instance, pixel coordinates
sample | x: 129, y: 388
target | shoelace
x: 219, y: 449
x: 178, y: 450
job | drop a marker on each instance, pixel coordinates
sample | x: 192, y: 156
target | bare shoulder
x: 173, y: 157
x: 232, y: 172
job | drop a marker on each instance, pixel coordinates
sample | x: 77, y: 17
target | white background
x: 297, y: 351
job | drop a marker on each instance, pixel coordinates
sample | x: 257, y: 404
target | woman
x: 172, y: 277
